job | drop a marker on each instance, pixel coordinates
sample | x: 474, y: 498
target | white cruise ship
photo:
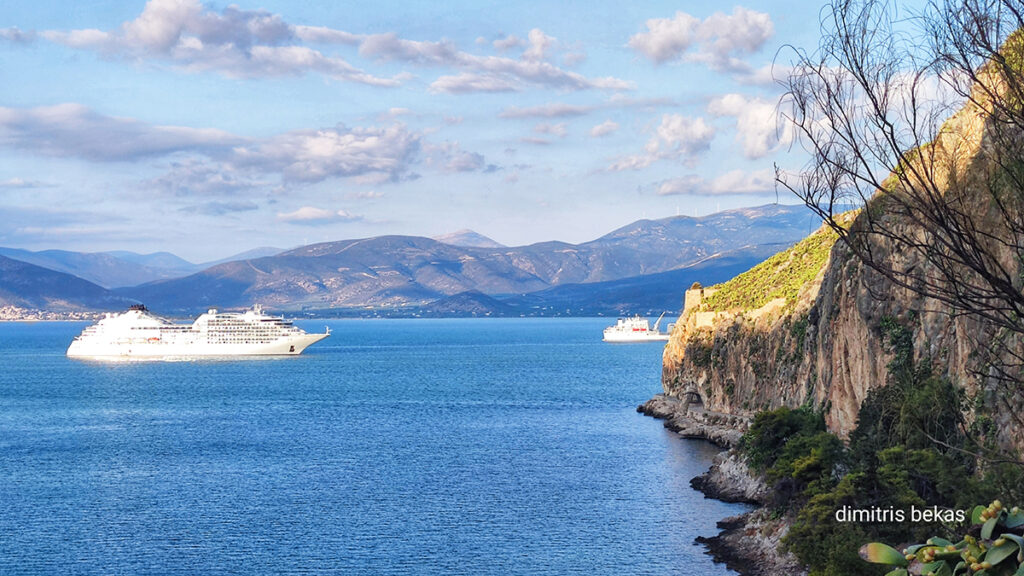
x: 138, y: 333
x: 635, y: 329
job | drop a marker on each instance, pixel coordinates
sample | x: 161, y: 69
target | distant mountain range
x: 407, y: 272
x: 644, y: 266
x: 122, y: 268
x: 29, y: 286
x: 650, y: 294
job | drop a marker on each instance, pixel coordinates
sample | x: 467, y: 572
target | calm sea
x: 393, y: 447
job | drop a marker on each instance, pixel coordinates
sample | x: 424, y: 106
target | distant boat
x: 635, y: 329
x: 138, y: 333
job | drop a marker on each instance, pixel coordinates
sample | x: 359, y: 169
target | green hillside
x: 781, y: 276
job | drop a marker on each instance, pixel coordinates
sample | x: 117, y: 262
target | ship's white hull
x: 635, y: 329
x: 628, y: 337
x: 142, y: 348
x: 139, y: 334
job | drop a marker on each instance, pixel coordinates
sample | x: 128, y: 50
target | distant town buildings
x: 16, y: 314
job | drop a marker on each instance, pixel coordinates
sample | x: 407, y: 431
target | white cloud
x: 666, y: 38
x: 313, y: 215
x: 767, y: 75
x: 394, y: 113
x: 497, y: 74
x: 540, y: 45
x: 508, y: 42
x: 552, y: 110
x: 73, y: 130
x: 632, y: 162
x: 719, y: 41
x: 315, y: 155
x: 364, y: 195
x: 323, y: 35
x: 218, y: 208
x: 464, y: 161
x: 470, y: 83
x: 574, y: 58
x: 734, y: 182
x: 757, y: 123
x: 450, y: 157
x: 680, y: 136
x: 723, y: 36
x: 563, y: 110
x: 220, y: 163
x: 677, y: 137
x: 560, y: 129
x: 234, y: 42
x: 535, y: 141
x: 255, y: 43
x: 603, y: 129
x: 196, y: 177
x: 486, y: 73
x: 389, y: 46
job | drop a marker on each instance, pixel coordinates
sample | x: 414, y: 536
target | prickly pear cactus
x: 994, y: 546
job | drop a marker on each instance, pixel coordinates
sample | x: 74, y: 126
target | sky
x: 207, y: 129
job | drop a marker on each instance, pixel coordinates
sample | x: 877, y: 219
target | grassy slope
x: 780, y: 276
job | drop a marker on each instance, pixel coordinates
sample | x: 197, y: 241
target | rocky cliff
x: 748, y: 345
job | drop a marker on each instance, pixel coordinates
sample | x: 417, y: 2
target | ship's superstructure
x: 138, y: 333
x: 635, y: 329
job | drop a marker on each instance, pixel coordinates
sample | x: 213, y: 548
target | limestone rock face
x: 825, y: 347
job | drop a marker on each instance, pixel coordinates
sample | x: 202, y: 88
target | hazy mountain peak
x: 261, y: 252
x: 154, y: 260
x: 468, y: 238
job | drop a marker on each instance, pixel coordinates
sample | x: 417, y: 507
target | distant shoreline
x: 25, y: 315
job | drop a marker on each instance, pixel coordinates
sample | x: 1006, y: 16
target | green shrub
x: 821, y: 542
x: 829, y: 547
x: 808, y: 459
x: 768, y: 434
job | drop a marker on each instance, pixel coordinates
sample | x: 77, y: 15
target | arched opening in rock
x: 693, y: 400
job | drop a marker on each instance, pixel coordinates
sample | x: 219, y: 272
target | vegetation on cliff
x: 910, y: 450
x: 781, y: 276
x: 934, y: 118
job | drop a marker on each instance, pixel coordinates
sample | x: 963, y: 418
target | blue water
x: 393, y: 447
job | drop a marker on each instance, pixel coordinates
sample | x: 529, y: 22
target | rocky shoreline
x: 721, y: 430
x: 748, y: 543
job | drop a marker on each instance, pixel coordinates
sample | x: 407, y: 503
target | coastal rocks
x: 729, y: 479
x: 750, y: 544
x: 722, y: 430
x: 661, y: 406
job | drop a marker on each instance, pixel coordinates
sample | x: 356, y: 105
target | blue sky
x: 207, y: 129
